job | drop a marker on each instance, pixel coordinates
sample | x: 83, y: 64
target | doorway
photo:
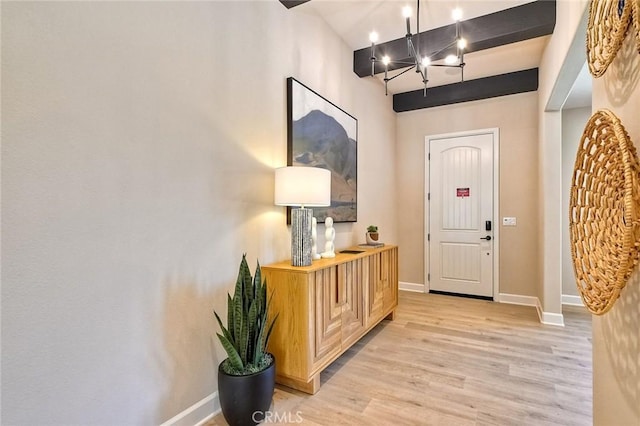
x: 461, y: 208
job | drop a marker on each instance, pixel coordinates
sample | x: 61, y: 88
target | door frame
x: 495, y: 132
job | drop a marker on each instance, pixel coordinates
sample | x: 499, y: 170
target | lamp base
x: 301, y: 237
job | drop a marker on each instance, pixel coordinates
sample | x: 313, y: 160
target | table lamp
x: 302, y: 187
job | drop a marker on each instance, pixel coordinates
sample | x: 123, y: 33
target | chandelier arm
x: 404, y: 63
x: 423, y: 74
x: 448, y: 46
x: 412, y: 50
x: 400, y: 73
x: 447, y: 66
x: 396, y: 62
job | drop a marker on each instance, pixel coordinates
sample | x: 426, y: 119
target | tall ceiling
x: 353, y: 20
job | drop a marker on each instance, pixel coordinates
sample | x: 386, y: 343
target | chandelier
x: 418, y: 61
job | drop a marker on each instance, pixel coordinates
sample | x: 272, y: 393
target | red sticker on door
x: 462, y: 192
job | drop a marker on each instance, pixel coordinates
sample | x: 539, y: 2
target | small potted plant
x: 372, y: 234
x: 246, y: 378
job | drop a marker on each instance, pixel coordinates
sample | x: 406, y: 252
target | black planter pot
x: 245, y: 399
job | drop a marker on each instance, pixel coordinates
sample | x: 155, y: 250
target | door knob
x: 488, y: 238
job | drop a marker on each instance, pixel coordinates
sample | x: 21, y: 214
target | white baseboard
x: 198, y: 414
x: 518, y: 299
x: 569, y: 299
x: 547, y: 318
x: 417, y: 288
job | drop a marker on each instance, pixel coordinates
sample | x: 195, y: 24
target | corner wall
x: 138, y: 146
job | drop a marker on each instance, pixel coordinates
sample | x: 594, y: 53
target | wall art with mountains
x: 320, y: 134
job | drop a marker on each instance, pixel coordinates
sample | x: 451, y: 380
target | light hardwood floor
x: 454, y: 361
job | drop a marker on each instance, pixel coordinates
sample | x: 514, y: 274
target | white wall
x: 573, y: 123
x: 616, y: 334
x: 138, y: 147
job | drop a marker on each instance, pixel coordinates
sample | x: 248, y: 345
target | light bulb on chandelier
x: 456, y: 14
x: 416, y: 60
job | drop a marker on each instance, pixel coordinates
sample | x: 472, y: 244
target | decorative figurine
x: 330, y: 235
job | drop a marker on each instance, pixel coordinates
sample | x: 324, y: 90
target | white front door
x: 461, y: 220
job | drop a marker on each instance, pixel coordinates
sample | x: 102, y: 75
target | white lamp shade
x: 303, y: 186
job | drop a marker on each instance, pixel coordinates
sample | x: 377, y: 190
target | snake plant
x: 248, y: 327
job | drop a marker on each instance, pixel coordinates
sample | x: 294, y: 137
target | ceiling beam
x: 292, y: 3
x: 471, y: 90
x: 518, y: 23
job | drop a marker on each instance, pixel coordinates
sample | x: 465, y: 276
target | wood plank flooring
x: 454, y: 361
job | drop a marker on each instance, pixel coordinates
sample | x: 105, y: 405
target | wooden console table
x: 326, y: 307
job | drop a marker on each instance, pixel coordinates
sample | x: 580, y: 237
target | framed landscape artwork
x: 320, y: 134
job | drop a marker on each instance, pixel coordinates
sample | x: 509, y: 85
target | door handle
x: 488, y: 238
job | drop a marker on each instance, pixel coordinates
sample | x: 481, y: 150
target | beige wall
x: 616, y: 335
x: 573, y: 123
x: 138, y: 147
x: 516, y: 118
x: 561, y: 62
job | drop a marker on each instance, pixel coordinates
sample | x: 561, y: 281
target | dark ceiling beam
x: 518, y: 23
x: 292, y: 3
x: 471, y: 90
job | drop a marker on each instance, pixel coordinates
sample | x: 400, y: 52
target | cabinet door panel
x: 376, y: 289
x: 328, y: 313
x: 389, y: 267
x: 351, y: 276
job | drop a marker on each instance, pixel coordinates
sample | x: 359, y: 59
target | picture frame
x: 321, y: 134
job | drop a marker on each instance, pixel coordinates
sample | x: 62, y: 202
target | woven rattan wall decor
x: 606, y: 28
x: 604, y: 211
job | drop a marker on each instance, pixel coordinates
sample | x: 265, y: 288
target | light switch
x: 508, y: 221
